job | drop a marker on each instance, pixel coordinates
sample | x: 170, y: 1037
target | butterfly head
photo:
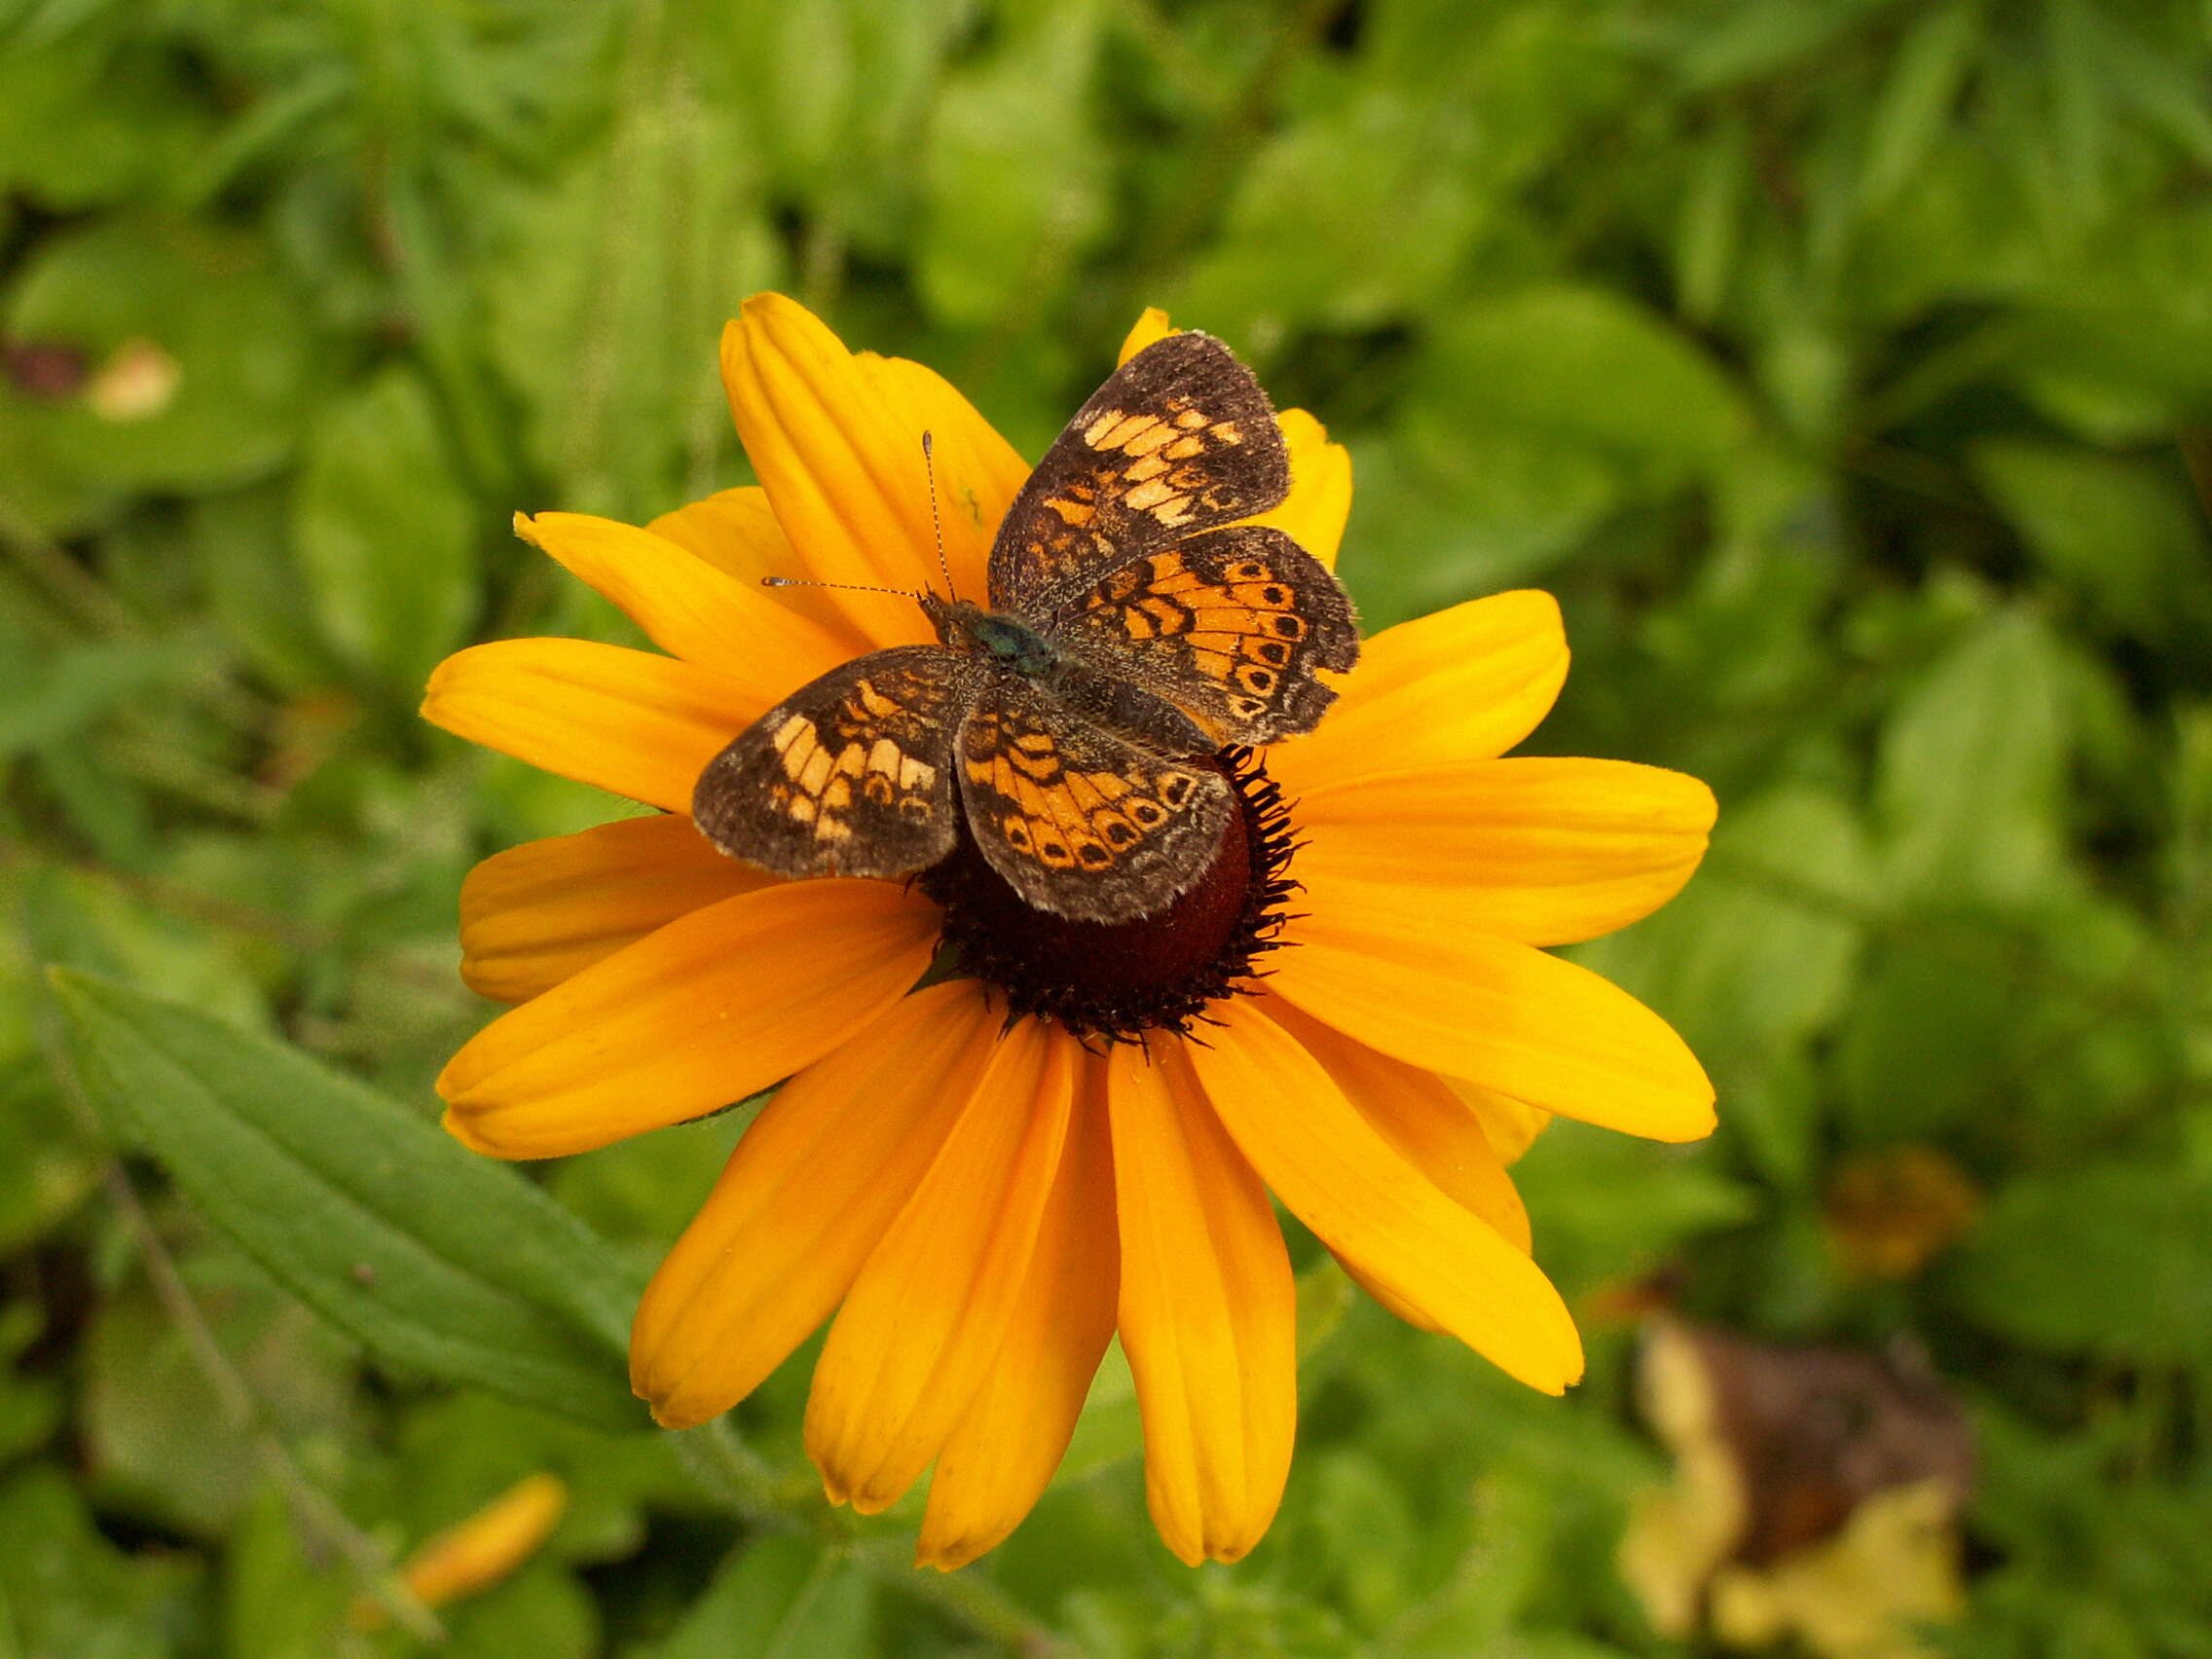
x: 1006, y: 641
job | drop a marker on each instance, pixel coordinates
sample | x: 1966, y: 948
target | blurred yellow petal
x: 687, y: 607
x: 1366, y: 1199
x: 1150, y: 328
x: 535, y: 915
x: 1544, y: 851
x: 805, y: 1200
x: 490, y: 1544
x: 978, y: 473
x: 736, y: 532
x: 1207, y: 1311
x: 1319, y: 502
x: 841, y: 462
x: 638, y: 725
x: 712, y: 1009
x: 1499, y: 1013
x: 1464, y: 684
x: 1011, y: 1439
x: 922, y: 1326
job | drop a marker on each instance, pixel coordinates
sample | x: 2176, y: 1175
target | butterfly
x: 1068, y: 728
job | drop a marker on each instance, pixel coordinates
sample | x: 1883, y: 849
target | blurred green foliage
x: 1843, y: 365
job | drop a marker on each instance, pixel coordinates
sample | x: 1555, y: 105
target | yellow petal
x: 1365, y: 1198
x: 1149, y: 329
x: 1207, y: 1312
x: 805, y: 1197
x: 639, y: 724
x: 922, y: 1325
x: 1314, y: 513
x: 687, y: 607
x: 978, y: 473
x: 841, y: 464
x: 1465, y: 684
x: 736, y: 532
x: 1511, y: 1125
x: 1544, y: 851
x: 1497, y: 1013
x: 712, y: 1007
x: 1011, y: 1439
x: 535, y: 915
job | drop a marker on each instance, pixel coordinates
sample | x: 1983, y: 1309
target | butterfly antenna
x: 841, y: 587
x: 937, y: 524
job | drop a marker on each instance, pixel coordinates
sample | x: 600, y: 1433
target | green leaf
x: 778, y: 1598
x: 386, y: 533
x: 433, y: 1258
x: 1585, y: 367
x: 211, y: 307
x: 2120, y: 534
x: 1015, y: 176
x: 1923, y: 85
x: 2114, y: 1261
x: 1971, y: 765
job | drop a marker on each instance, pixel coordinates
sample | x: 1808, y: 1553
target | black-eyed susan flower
x: 983, y: 1203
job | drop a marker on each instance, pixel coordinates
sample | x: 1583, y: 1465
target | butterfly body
x: 1134, y: 629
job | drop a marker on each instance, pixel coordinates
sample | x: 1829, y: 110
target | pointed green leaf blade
x: 433, y: 1258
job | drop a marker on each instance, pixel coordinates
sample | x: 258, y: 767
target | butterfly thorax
x: 1006, y: 641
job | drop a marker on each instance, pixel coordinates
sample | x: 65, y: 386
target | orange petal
x: 535, y: 915
x: 842, y: 463
x: 1511, y: 1125
x: 1420, y: 1115
x: 805, y: 1199
x: 736, y: 532
x: 640, y: 726
x: 1319, y: 502
x: 1498, y: 1013
x: 1207, y: 1311
x: 712, y: 1007
x: 978, y: 473
x: 922, y: 1325
x: 1465, y: 684
x: 1015, y: 1431
x: 1544, y: 851
x: 478, y: 1552
x: 1364, y: 1198
x: 687, y: 607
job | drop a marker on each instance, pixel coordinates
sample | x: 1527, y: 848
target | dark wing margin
x: 1232, y: 626
x: 850, y: 775
x: 1077, y: 821
x: 1179, y: 439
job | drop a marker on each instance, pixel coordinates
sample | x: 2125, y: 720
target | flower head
x: 981, y: 1197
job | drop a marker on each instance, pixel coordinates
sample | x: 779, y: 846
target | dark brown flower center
x: 1120, y: 979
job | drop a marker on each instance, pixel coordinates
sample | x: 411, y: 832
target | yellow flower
x: 984, y: 1205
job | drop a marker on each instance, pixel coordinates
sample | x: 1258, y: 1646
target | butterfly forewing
x: 1231, y: 625
x: 850, y: 775
x: 1180, y: 439
x: 1079, y: 821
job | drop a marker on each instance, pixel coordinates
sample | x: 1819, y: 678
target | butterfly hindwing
x: 1231, y: 625
x: 850, y: 775
x: 1179, y: 439
x: 1078, y: 820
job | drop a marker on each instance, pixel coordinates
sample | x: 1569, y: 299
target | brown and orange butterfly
x: 1134, y: 629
